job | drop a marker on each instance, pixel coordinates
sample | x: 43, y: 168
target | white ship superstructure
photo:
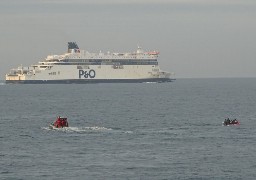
x: 79, y: 66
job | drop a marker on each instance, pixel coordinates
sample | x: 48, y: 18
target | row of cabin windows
x: 99, y: 63
x: 109, y: 60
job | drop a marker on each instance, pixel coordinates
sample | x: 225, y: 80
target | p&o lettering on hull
x: 87, y: 74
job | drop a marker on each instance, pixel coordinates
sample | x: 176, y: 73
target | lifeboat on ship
x: 60, y: 122
x: 229, y: 122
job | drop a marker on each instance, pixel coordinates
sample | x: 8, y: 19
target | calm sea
x: 129, y: 131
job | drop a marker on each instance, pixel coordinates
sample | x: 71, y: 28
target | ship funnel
x: 72, y: 46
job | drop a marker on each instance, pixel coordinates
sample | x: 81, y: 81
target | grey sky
x: 196, y: 38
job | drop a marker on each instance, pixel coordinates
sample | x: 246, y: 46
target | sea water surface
x: 129, y: 131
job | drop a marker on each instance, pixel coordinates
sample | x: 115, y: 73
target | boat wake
x: 93, y: 129
x: 78, y: 129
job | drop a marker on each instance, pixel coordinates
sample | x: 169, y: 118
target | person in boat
x: 227, y: 121
x: 235, y: 121
x: 64, y: 122
x: 58, y: 122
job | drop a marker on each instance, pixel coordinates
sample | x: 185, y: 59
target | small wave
x: 150, y: 82
x: 26, y: 135
x: 6, y: 172
x: 2, y: 84
x: 128, y: 132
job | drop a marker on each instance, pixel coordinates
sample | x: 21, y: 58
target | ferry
x: 80, y: 66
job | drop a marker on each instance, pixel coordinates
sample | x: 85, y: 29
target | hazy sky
x: 196, y: 38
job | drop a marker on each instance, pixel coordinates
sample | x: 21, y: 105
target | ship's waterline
x: 79, y: 66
